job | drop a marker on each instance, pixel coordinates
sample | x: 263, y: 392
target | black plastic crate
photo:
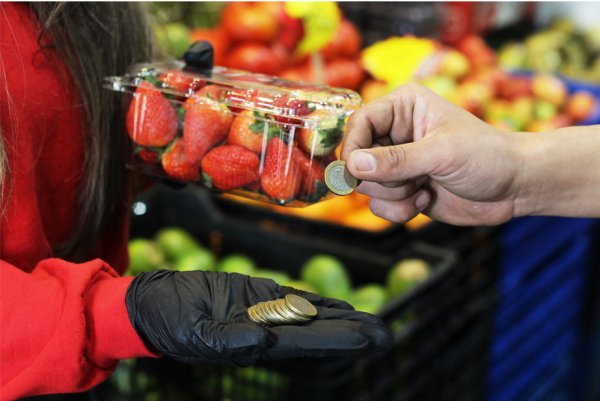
x: 442, y: 328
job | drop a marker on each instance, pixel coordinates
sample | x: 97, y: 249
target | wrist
x: 560, y: 173
x: 530, y: 153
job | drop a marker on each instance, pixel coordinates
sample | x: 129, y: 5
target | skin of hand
x: 421, y: 153
x: 416, y: 152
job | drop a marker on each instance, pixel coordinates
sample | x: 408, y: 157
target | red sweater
x: 63, y: 326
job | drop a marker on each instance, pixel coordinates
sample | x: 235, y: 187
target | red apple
x: 580, y: 106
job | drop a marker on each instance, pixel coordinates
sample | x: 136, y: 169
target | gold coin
x: 277, y: 317
x: 300, y: 306
x: 254, y: 315
x: 338, y: 179
x: 282, y: 307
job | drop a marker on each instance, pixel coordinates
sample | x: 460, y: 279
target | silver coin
x: 300, y: 306
x: 338, y: 179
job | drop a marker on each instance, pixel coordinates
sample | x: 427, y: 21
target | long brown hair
x: 95, y: 39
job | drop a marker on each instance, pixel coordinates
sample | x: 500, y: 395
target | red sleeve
x: 62, y: 327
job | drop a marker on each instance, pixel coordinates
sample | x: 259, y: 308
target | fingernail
x: 422, y: 201
x: 363, y: 161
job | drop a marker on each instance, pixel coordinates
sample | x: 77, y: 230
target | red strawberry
x: 241, y: 97
x: 213, y: 92
x: 230, y: 166
x: 177, y: 165
x: 290, y: 108
x: 180, y: 81
x: 206, y: 125
x: 151, y: 121
x: 148, y: 155
x: 313, y: 173
x: 281, y: 178
x: 324, y: 137
x: 247, y: 131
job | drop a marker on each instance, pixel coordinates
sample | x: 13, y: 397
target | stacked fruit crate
x: 442, y: 328
x: 539, y: 319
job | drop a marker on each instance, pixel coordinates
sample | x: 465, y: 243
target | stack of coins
x: 338, y: 179
x: 288, y: 310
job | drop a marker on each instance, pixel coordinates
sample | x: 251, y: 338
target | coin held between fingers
x: 338, y: 179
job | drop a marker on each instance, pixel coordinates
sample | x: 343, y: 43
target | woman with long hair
x: 66, y: 316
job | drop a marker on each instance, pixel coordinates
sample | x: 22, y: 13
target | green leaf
x: 207, y: 180
x: 153, y: 79
x: 321, y: 191
x: 331, y: 137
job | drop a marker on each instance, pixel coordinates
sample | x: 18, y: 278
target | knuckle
x: 394, y: 156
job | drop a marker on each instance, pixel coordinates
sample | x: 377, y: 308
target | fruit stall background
x: 504, y: 313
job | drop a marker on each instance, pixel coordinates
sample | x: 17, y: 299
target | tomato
x: 249, y: 21
x: 477, y: 51
x: 217, y: 38
x: 255, y: 57
x: 346, y: 42
x: 344, y: 73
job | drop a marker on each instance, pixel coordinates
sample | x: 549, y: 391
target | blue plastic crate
x: 529, y: 377
x: 530, y: 243
x: 519, y: 303
x: 537, y: 325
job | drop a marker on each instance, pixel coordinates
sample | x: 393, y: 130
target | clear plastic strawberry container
x: 247, y: 134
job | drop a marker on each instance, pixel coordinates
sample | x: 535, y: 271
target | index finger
x: 395, y: 116
x: 373, y: 120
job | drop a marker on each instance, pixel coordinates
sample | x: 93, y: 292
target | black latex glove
x: 198, y: 317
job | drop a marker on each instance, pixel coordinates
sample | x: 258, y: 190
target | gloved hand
x: 198, y: 317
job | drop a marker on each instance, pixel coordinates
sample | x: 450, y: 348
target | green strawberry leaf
x: 153, y: 79
x: 331, y: 137
x: 207, y: 180
x: 321, y: 191
x: 181, y: 113
x: 159, y: 151
x: 258, y: 126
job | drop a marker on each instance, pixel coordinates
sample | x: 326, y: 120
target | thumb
x: 395, y: 163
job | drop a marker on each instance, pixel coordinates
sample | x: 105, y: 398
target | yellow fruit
x: 176, y: 242
x: 237, y: 264
x: 328, y: 276
x: 369, y: 298
x: 144, y: 255
x: 454, y: 65
x: 406, y: 274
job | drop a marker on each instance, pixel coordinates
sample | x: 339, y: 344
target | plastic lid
x: 243, y: 90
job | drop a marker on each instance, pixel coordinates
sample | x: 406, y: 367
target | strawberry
x: 230, y: 166
x: 206, y: 125
x: 313, y: 175
x: 151, y: 121
x: 241, y: 97
x: 180, y: 81
x: 281, y: 178
x: 248, y: 130
x: 148, y: 155
x: 324, y: 136
x: 213, y: 92
x: 290, y: 108
x: 177, y: 165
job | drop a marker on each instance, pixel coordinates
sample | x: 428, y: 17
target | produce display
x: 294, y: 40
x: 561, y: 48
x: 470, y: 77
x: 175, y: 249
x: 250, y: 134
